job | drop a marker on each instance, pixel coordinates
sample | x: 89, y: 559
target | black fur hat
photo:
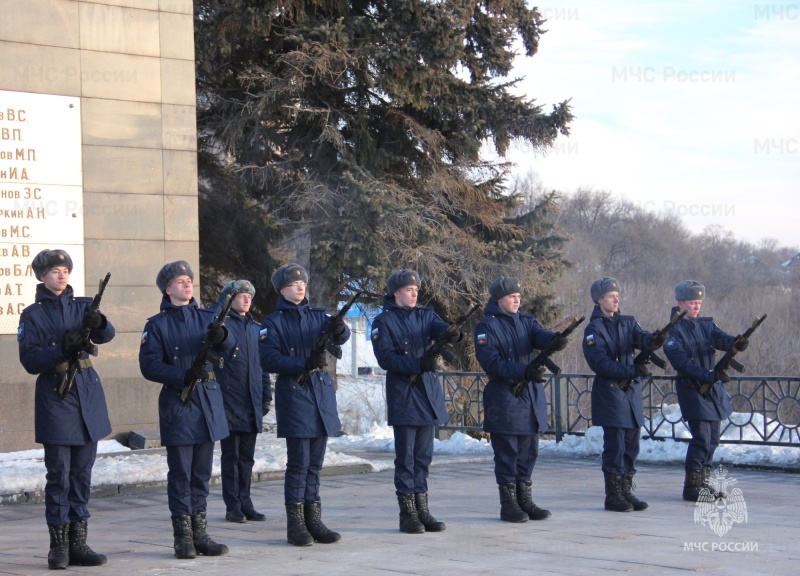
x: 401, y: 279
x: 171, y: 271
x: 46, y: 260
x: 503, y: 286
x: 237, y: 287
x: 287, y: 274
x: 605, y: 284
x: 690, y: 290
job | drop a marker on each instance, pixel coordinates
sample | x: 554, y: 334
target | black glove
x: 428, y: 362
x: 194, y: 374
x: 335, y: 326
x: 92, y: 319
x: 216, y: 334
x: 741, y: 344
x: 453, y: 336
x: 316, y: 361
x: 721, y: 376
x: 534, y: 373
x: 642, y: 371
x: 71, y: 343
x: 659, y: 339
x: 559, y: 343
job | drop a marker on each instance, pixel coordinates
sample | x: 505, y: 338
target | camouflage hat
x: 287, y: 274
x: 46, y: 260
x: 690, y: 290
x: 400, y: 279
x: 171, y: 271
x: 601, y: 287
x: 237, y: 287
x: 503, y: 286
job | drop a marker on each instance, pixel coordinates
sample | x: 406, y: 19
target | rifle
x: 206, y: 354
x: 437, y: 346
x: 74, y: 362
x: 323, y: 342
x: 647, y: 356
x: 543, y: 358
x: 727, y: 360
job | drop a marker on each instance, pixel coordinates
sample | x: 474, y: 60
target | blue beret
x: 605, y: 284
x: 287, y: 274
x: 46, y: 260
x: 171, y: 271
x: 400, y: 279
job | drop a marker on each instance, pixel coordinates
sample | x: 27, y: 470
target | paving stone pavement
x: 134, y: 530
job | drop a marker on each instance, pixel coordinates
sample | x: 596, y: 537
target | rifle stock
x: 727, y: 360
x: 543, y: 358
x: 206, y: 354
x: 648, y: 356
x: 437, y: 346
x: 74, y: 362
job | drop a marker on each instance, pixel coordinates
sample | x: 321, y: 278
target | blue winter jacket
x: 691, y: 349
x: 287, y: 337
x: 611, y: 359
x: 246, y: 389
x: 399, y: 337
x: 81, y: 417
x: 504, y: 344
x: 170, y: 342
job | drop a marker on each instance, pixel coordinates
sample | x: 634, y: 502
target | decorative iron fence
x: 766, y: 409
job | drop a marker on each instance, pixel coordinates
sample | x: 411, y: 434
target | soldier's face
x: 56, y: 279
x: 692, y: 307
x: 294, y: 292
x: 609, y: 303
x: 241, y: 303
x: 180, y: 290
x: 510, y: 303
x: 407, y: 296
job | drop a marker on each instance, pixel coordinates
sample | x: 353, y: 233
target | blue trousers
x: 68, y: 482
x: 514, y: 457
x: 413, y: 453
x: 188, y: 476
x: 620, y: 450
x: 304, y: 458
x: 705, y: 439
x: 237, y: 463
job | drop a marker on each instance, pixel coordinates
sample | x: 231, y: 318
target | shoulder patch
x: 590, y: 339
x: 144, y: 338
x: 262, y: 334
x: 375, y: 335
x: 671, y: 344
x: 480, y: 339
x: 21, y: 331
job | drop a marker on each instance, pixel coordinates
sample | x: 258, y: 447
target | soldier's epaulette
x: 83, y: 299
x: 318, y: 308
x: 626, y: 317
x: 527, y: 315
x: 154, y: 316
x: 489, y: 319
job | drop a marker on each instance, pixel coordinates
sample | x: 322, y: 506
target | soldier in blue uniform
x: 49, y: 334
x: 170, y: 342
x: 305, y: 398
x: 414, y: 397
x: 504, y: 341
x: 247, y: 395
x: 608, y: 343
x: 691, y: 351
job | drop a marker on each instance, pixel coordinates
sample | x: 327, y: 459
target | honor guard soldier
x: 608, y: 343
x: 415, y: 401
x: 50, y: 338
x: 691, y: 351
x: 305, y: 398
x: 247, y: 396
x: 170, y: 343
x: 504, y: 342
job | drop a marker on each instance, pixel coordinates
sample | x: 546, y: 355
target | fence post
x: 560, y: 407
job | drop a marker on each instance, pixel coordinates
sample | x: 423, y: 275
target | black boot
x: 627, y: 492
x: 296, y: 531
x: 615, y: 501
x: 312, y: 513
x: 58, y: 557
x: 79, y: 552
x: 692, y: 485
x: 509, y: 507
x: 182, y: 531
x: 717, y: 495
x: 527, y: 504
x: 431, y: 524
x: 409, y: 518
x: 202, y: 541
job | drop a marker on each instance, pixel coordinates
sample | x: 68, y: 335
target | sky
x: 370, y: 442
x: 684, y: 107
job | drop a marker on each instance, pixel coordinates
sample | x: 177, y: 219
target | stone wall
x: 131, y: 62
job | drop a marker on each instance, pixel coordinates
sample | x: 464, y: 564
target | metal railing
x: 766, y: 409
